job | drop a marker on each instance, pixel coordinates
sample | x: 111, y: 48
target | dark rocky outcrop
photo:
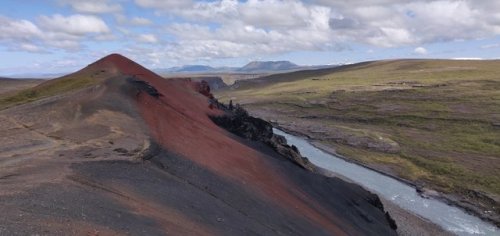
x: 239, y: 122
x: 391, y: 221
x: 204, y: 88
x: 214, y: 82
x: 144, y: 86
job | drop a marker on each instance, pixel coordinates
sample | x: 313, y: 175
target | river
x: 450, y: 218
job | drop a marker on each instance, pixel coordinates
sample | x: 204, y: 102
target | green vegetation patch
x: 444, y: 115
x: 47, y: 89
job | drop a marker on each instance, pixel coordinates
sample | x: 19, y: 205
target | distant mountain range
x: 252, y: 67
x: 191, y: 68
x: 35, y: 75
x: 268, y: 66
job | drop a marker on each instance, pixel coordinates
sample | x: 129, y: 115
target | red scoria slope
x: 197, y: 178
x: 179, y: 122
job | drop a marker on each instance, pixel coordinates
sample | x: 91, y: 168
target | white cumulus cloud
x: 393, y: 23
x: 74, y: 24
x: 93, y: 6
x: 420, y: 51
x: 140, y: 21
x: 226, y: 28
x: 56, y: 31
x: 187, y: 30
x: 18, y: 29
x: 147, y: 38
x: 164, y: 4
x: 30, y: 47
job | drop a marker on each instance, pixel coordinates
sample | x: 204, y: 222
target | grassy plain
x: 433, y: 122
x: 50, y: 88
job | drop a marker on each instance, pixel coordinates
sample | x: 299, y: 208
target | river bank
x: 467, y: 204
x: 450, y: 199
x: 411, y: 205
x: 408, y: 223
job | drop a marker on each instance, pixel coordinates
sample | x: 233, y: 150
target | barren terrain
x: 115, y: 149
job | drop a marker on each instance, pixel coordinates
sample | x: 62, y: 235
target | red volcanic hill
x: 128, y: 152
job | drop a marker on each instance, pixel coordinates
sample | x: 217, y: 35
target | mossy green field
x: 440, y: 118
x: 52, y: 87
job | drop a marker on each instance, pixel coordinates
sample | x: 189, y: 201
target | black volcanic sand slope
x: 354, y: 205
x: 170, y: 193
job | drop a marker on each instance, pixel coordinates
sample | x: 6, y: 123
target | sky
x: 55, y: 36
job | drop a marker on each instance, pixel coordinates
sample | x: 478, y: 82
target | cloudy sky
x: 50, y: 36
